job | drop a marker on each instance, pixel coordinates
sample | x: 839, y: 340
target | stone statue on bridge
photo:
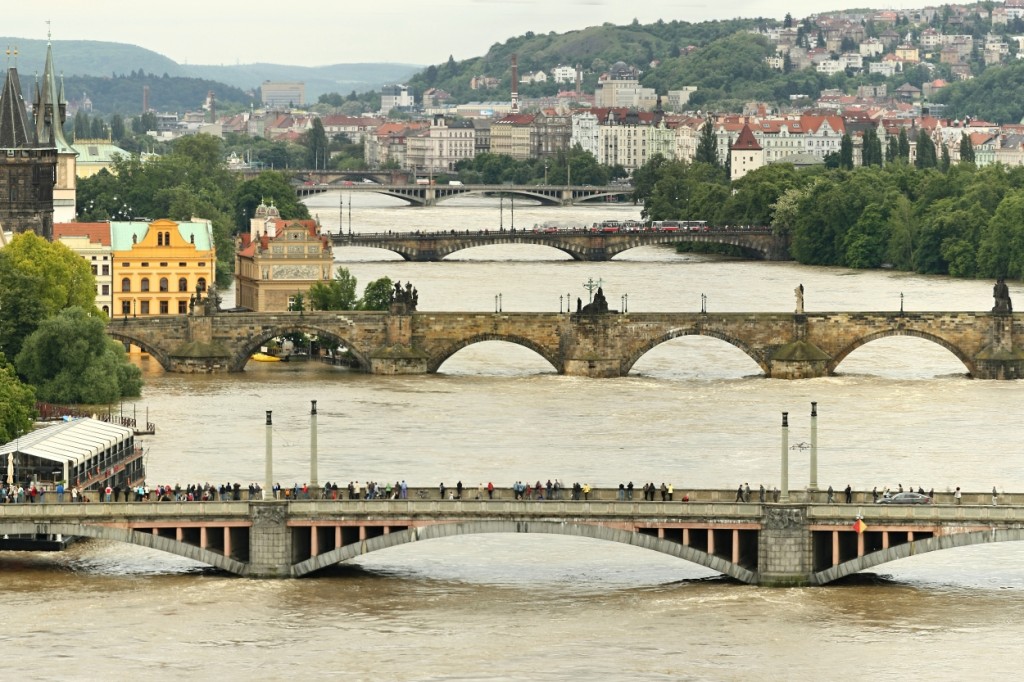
x: 408, y: 297
x: 598, y: 306
x: 799, y: 291
x: 1001, y: 293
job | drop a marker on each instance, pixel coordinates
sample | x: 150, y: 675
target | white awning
x: 71, y: 442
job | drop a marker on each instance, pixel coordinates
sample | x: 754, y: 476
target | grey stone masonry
x: 784, y: 549
x: 270, y: 540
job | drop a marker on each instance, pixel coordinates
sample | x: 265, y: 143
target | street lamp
x: 559, y: 304
x: 704, y: 304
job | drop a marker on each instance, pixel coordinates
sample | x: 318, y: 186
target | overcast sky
x: 316, y: 32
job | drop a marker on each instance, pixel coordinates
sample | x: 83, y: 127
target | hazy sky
x: 316, y: 32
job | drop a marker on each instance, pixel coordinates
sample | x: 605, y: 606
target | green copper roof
x: 121, y: 233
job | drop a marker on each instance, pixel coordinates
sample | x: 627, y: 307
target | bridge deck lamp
x: 268, y: 489
x: 814, y: 446
x: 559, y: 304
x: 313, y: 482
x: 785, y: 457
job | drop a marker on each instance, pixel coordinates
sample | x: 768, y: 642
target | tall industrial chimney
x: 515, y: 85
x: 145, y: 98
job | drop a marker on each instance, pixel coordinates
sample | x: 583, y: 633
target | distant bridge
x: 581, y: 244
x: 773, y: 544
x: 431, y: 195
x: 784, y: 345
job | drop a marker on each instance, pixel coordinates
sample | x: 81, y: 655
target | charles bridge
x: 580, y: 244
x: 795, y: 542
x: 784, y: 345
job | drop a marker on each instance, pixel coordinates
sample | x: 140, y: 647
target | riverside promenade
x: 792, y: 542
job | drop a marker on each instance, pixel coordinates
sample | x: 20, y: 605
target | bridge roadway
x: 580, y: 244
x: 431, y: 195
x: 773, y: 544
x: 783, y: 345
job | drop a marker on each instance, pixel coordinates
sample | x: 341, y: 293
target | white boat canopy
x: 70, y: 443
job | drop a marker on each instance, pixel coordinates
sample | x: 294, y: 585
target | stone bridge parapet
x: 783, y: 345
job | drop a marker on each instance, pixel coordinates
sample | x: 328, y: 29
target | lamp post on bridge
x: 314, y: 485
x: 704, y: 304
x: 559, y: 304
x: 268, y: 489
x: 814, y: 446
x: 785, y: 458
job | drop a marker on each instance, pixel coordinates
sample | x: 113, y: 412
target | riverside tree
x: 70, y: 359
x: 38, y: 279
x: 17, y: 404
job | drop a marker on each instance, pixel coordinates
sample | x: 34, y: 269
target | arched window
x: 159, y: 238
x: 126, y: 284
x: 182, y: 284
x: 144, y: 285
x: 201, y: 284
x: 164, y: 285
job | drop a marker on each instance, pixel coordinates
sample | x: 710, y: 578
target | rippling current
x: 695, y: 411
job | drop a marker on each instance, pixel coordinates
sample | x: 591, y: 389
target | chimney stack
x: 515, y: 85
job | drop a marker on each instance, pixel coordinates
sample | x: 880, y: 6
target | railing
x: 49, y: 412
x: 548, y: 231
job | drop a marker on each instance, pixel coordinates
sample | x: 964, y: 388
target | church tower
x: 50, y: 110
x: 28, y: 166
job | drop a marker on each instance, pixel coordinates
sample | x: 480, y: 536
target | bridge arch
x: 908, y: 549
x: 253, y: 343
x: 131, y: 537
x: 438, y: 358
x: 751, y: 248
x: 646, y: 347
x: 512, y: 238
x: 155, y: 352
x: 857, y: 343
x: 573, y: 529
x: 400, y: 249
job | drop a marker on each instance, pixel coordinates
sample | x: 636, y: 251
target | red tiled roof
x: 98, y: 233
x: 746, y: 140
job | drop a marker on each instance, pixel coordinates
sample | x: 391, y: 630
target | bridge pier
x: 398, y: 355
x: 270, y: 540
x: 1000, y: 360
x: 785, y: 552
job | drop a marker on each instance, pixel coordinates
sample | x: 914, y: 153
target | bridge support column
x: 785, y: 552
x: 399, y: 356
x: 200, y: 354
x: 270, y: 540
x: 1000, y: 360
x: 799, y: 359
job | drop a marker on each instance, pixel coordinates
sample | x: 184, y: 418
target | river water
x: 695, y: 411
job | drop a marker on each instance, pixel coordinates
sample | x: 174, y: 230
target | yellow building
x: 159, y: 266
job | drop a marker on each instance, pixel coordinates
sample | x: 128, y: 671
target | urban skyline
x: 196, y: 32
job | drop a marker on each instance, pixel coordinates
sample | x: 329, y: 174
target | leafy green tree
x: 846, y: 152
x: 17, y: 404
x: 117, y: 130
x: 270, y: 187
x: 337, y: 294
x: 707, y: 145
x: 871, y: 150
x: 70, y: 359
x: 82, y: 125
x: 38, y: 279
x: 903, y: 146
x: 944, y: 159
x: 1001, y: 251
x: 966, y: 149
x: 298, y: 303
x: 377, y: 295
x: 315, y: 141
x: 892, y: 149
x: 645, y: 176
x: 866, y: 241
x: 926, y: 157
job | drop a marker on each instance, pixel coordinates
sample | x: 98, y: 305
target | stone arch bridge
x: 581, y: 245
x: 783, y: 345
x: 767, y: 544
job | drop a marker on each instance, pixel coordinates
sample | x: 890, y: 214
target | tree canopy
x: 17, y: 403
x: 39, y: 278
x: 70, y: 359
